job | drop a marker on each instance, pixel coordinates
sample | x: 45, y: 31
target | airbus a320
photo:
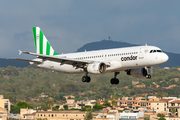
x: 136, y: 61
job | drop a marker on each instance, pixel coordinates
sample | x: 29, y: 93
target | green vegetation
x: 16, y: 108
x: 160, y: 115
x: 88, y: 116
x: 65, y: 107
x: 146, y: 118
x: 162, y: 118
x: 173, y: 111
x: 27, y: 84
x: 97, y: 107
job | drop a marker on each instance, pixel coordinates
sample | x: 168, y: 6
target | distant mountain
x: 6, y: 62
x: 174, y: 59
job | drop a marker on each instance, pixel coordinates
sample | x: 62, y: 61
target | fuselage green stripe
x: 48, y: 48
x: 34, y: 33
x: 41, y: 43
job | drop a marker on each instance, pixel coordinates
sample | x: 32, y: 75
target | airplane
x: 135, y: 61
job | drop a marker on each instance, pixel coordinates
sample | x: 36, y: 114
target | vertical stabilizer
x: 41, y: 43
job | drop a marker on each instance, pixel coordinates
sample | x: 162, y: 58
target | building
x: 4, y: 108
x: 131, y: 115
x: 5, y: 103
x: 111, y: 115
x: 25, y: 113
x: 176, y: 105
x: 135, y: 103
x: 60, y: 115
x: 159, y: 107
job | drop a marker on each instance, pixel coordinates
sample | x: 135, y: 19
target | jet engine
x: 137, y: 73
x: 97, y: 68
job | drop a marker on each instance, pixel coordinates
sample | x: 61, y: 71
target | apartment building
x: 136, y: 103
x: 5, y: 104
x: 60, y: 115
x: 159, y: 107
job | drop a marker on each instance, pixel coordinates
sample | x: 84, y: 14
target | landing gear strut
x: 148, y: 76
x: 86, y: 78
x: 115, y: 80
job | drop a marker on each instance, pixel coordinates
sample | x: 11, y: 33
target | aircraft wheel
x: 113, y: 81
x: 116, y: 81
x: 148, y: 76
x: 84, y: 78
x: 88, y: 79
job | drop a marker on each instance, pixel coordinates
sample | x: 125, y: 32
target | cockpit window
x: 159, y: 50
x: 154, y: 51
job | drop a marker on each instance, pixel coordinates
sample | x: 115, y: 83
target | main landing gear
x: 115, y: 80
x: 86, y: 78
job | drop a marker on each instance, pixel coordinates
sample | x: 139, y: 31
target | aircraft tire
x: 116, y: 81
x: 113, y: 81
x: 148, y: 76
x: 88, y: 79
x: 84, y: 79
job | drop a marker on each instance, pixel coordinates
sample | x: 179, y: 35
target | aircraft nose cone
x: 165, y: 58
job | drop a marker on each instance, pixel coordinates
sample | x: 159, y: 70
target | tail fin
x: 41, y: 43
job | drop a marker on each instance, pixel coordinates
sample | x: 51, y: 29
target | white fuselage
x: 120, y: 59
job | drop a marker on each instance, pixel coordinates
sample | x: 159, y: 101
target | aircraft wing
x: 26, y: 60
x: 74, y: 62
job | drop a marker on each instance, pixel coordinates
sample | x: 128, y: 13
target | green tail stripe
x: 34, y: 33
x: 55, y: 53
x: 48, y: 48
x: 41, y: 42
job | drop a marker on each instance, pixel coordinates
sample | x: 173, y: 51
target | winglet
x: 20, y: 52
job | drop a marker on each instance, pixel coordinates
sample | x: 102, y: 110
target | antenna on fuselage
x: 145, y: 44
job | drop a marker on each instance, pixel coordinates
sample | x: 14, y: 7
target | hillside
x: 107, y: 44
x: 6, y: 62
x: 29, y: 83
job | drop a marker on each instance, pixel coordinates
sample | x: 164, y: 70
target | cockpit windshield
x: 154, y: 51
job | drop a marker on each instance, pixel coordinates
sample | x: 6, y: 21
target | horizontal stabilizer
x: 27, y: 60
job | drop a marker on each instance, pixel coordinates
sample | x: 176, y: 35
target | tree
x: 114, y: 103
x: 97, y: 107
x: 49, y: 102
x: 65, y: 107
x: 16, y: 108
x: 87, y: 107
x: 173, y: 111
x: 23, y: 104
x: 88, y: 116
x: 160, y: 115
x: 162, y: 118
x: 113, y: 97
x: 56, y: 108
x: 106, y: 103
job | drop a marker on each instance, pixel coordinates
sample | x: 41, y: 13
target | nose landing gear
x: 148, y: 69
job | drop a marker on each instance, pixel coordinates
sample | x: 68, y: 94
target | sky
x: 69, y: 24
